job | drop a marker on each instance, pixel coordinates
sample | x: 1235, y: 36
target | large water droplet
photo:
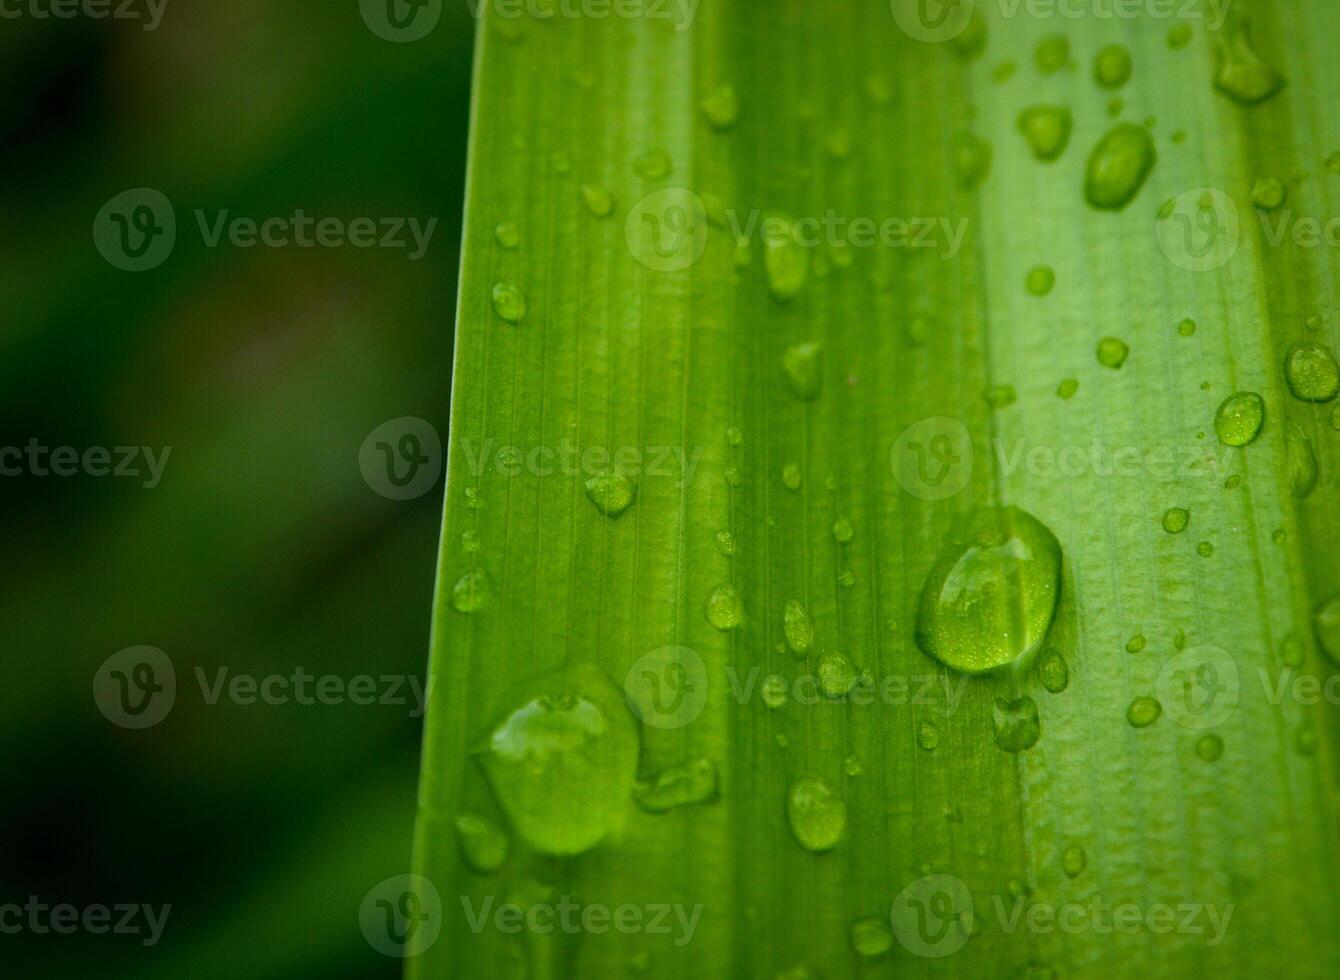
x: 1113, y: 352
x: 1040, y: 280
x: 1327, y: 624
x: 837, y: 675
x: 990, y: 598
x: 1209, y: 747
x: 785, y: 259
x: 483, y: 844
x: 693, y: 782
x: 803, y: 365
x: 1047, y: 129
x: 562, y: 761
x: 611, y: 492
x: 1312, y: 373
x: 1112, y: 67
x: 1118, y: 167
x: 817, y: 815
x: 1143, y: 712
x: 798, y: 627
x: 724, y: 609
x: 1239, y: 419
x: 1016, y: 722
x: 1240, y: 72
x: 1176, y: 519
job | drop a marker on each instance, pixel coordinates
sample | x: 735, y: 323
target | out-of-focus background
x: 259, y: 546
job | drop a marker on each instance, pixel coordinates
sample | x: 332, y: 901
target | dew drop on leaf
x: 1269, y: 193
x: 1112, y: 67
x: 1052, y: 53
x: 599, y: 201
x: 1312, y: 373
x: 803, y: 365
x: 693, y: 782
x: 1239, y: 419
x: 1047, y: 130
x: 1112, y: 353
x: 1143, y: 712
x: 1176, y: 519
x: 972, y: 160
x: 471, y: 591
x: 1016, y: 723
x: 721, y: 107
x: 653, y: 165
x: 1040, y: 280
x: 1053, y: 672
x: 816, y: 814
x: 928, y: 736
x: 1118, y: 167
x: 509, y: 236
x: 837, y: 676
x: 724, y: 608
x: 482, y: 843
x: 842, y: 531
x: 1327, y: 624
x: 611, y: 492
x: 872, y: 936
x: 798, y: 628
x: 508, y: 302
x: 1074, y: 861
x: 785, y: 260
x: 1209, y: 748
x: 1240, y: 73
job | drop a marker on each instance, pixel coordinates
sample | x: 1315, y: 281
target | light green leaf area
x: 772, y: 351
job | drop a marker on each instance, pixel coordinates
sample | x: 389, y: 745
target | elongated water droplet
x: 508, y: 302
x: 817, y: 815
x: 693, y: 782
x: 837, y: 676
x: 1112, y: 67
x: 724, y: 608
x: 1209, y: 747
x: 471, y: 591
x: 721, y: 106
x: 1303, y: 469
x: 1239, y: 419
x: 611, y: 492
x: 599, y: 201
x: 1053, y: 672
x: 972, y: 160
x: 871, y: 937
x: 1240, y: 73
x: 928, y: 736
x: 1001, y: 396
x: 483, y: 844
x: 1326, y: 621
x: 791, y: 476
x: 1136, y: 643
x: 563, y: 759
x: 1112, y: 353
x: 803, y: 365
x: 785, y: 259
x: 1067, y: 388
x: 1041, y: 280
x: 1269, y: 193
x: 990, y: 598
x: 1143, y: 712
x: 774, y: 690
x: 1016, y: 722
x: 1312, y: 373
x: 1074, y: 861
x: 1118, y: 167
x: 1176, y: 519
x: 1047, y: 129
x: 798, y: 628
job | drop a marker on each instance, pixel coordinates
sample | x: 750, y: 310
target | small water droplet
x: 721, y: 107
x: 732, y: 476
x: 1305, y: 741
x: 872, y: 937
x: 928, y: 736
x: 798, y: 628
x: 1269, y: 193
x: 1052, y: 53
x: 470, y: 542
x: 1239, y: 419
x: 508, y: 234
x: 837, y: 676
x: 1291, y: 651
x: 1205, y: 549
x: 1067, y: 388
x: 852, y: 766
x: 726, y: 543
x: 1001, y: 396
x: 842, y: 531
x: 838, y: 144
x: 1112, y: 67
x: 972, y: 160
x: 1047, y: 129
x: 803, y: 365
x: 1053, y: 672
x: 817, y: 815
x: 1143, y: 712
x: 693, y: 782
x: 1240, y: 72
x: 473, y: 499
x: 471, y: 591
x: 878, y: 89
x: 1118, y: 167
x: 1112, y: 353
x: 1233, y: 482
x: 1179, y: 639
x: 1074, y: 861
x: 1041, y: 280
x: 724, y: 607
x: 1016, y: 722
x: 653, y: 165
x: 1312, y: 373
x: 599, y: 201
x: 1326, y: 621
x: 1187, y: 328
x: 611, y: 492
x: 1179, y: 37
x: 1003, y: 72
x: 990, y: 598
x: 785, y: 259
x: 734, y: 435
x: 1136, y: 643
x: 1176, y: 519
x: 1303, y: 469
x: 482, y: 843
x: 774, y: 690
x: 1209, y: 747
x: 508, y: 302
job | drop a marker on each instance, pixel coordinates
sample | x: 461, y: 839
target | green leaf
x: 818, y: 341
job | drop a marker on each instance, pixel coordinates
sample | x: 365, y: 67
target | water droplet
x: 1067, y: 388
x: 847, y: 579
x: 1143, y: 712
x: 721, y: 106
x: 1116, y: 107
x: 842, y: 531
x: 693, y: 782
x: 817, y: 815
x: 1233, y: 482
x: 791, y: 476
x: 1179, y: 639
x: 928, y: 736
x: 798, y: 628
x: 483, y: 844
x: 599, y: 201
x: 654, y: 164
x: 1003, y: 72
x: 1112, y: 67
x: 724, y: 607
x: 1209, y: 747
x: 972, y: 160
x: 1305, y: 741
x: 1241, y: 74
x: 1136, y: 643
x: 1052, y: 53
x: 732, y: 476
x: 919, y: 329
x: 1041, y: 280
x: 852, y: 766
x: 1179, y: 37
x: 508, y: 234
x: 1269, y: 193
x: 472, y: 498
x: 1016, y: 722
x: 1239, y: 419
x: 1053, y: 672
x: 470, y: 542
x: 838, y: 143
x: 1333, y: 163
x: 878, y: 89
x: 1176, y: 519
x: 1001, y: 396
x: 1303, y: 469
x: 1118, y: 167
x: 470, y: 591
x: 734, y: 435
x: 972, y: 41
x: 1074, y: 861
x: 837, y: 676
x: 726, y: 543
x: 803, y: 365
x: 1312, y: 373
x: 1326, y: 621
x: 1112, y: 353
x: 773, y: 690
x: 508, y: 302
x: 1187, y: 328
x: 871, y: 937
x: 562, y: 761
x: 991, y: 595
x: 785, y: 260
x: 611, y: 492
x: 1047, y: 129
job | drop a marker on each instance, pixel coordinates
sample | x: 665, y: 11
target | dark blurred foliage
x: 263, y: 549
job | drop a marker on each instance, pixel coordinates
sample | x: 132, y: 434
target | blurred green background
x: 263, y: 549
